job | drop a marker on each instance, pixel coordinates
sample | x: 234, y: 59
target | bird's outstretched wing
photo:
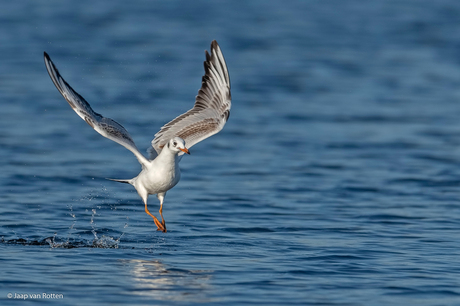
x: 211, y: 109
x: 104, y: 126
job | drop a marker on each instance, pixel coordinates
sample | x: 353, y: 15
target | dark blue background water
x: 335, y: 181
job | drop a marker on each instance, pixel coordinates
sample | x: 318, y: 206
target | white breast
x: 161, y: 175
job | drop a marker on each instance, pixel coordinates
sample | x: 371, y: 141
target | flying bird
x: 160, y: 172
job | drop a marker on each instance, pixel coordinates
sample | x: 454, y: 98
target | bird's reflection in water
x: 154, y: 279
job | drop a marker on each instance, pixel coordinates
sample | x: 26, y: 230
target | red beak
x: 185, y: 150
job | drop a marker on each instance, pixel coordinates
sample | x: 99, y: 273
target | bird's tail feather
x: 122, y: 181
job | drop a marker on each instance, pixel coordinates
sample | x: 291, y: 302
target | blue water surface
x: 336, y: 180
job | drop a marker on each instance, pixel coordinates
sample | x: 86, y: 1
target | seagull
x: 161, y: 172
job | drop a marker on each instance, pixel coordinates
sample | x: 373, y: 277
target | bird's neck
x: 167, y: 156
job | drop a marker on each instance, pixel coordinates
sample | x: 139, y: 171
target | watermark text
x: 34, y: 295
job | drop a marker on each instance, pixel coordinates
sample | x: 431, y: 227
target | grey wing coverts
x: 211, y: 110
x: 105, y: 126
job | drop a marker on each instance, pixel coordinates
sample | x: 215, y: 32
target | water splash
x: 105, y: 242
x: 71, y: 240
x: 92, y: 217
x: 54, y: 244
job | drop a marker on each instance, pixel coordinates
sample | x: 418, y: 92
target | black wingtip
x: 214, y: 46
x: 47, y: 58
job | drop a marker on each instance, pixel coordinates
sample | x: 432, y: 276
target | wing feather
x: 105, y: 126
x: 210, y: 112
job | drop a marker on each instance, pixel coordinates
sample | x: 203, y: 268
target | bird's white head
x: 176, y: 145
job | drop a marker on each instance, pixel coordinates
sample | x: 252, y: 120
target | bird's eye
x: 174, y: 143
